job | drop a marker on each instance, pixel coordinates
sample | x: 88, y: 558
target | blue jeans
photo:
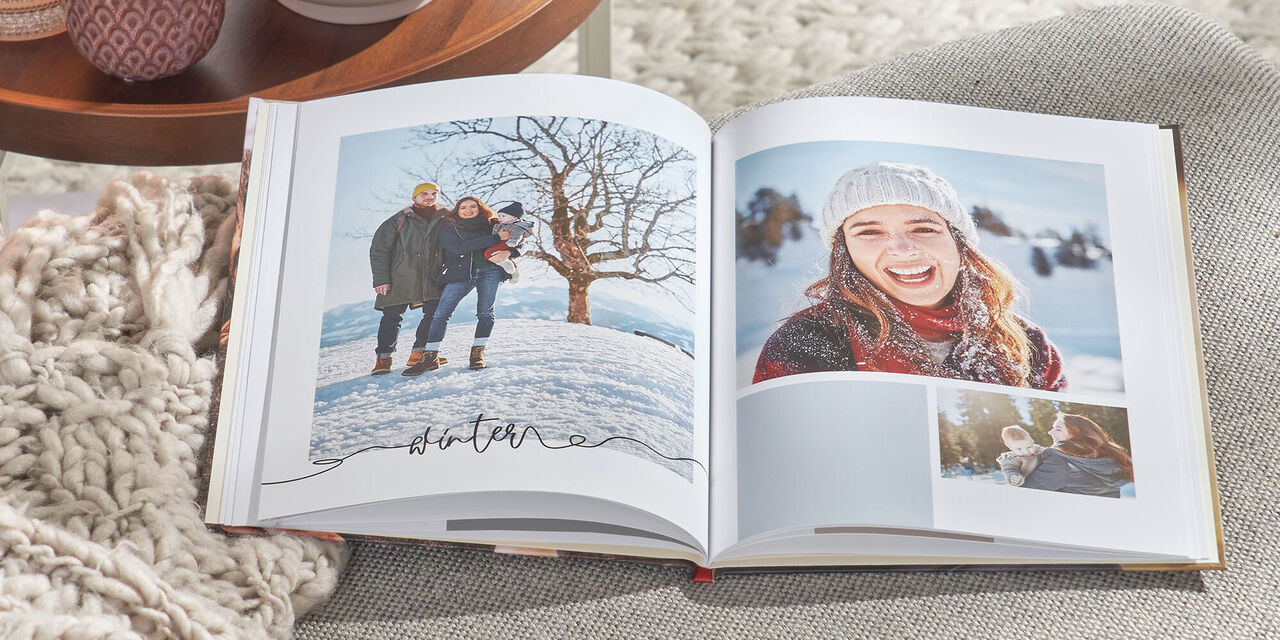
x: 389, y: 327
x: 485, y: 283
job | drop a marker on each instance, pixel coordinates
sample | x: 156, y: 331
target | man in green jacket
x: 405, y: 261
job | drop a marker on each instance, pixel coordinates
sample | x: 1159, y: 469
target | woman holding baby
x: 465, y: 237
x: 907, y: 291
x: 1083, y: 459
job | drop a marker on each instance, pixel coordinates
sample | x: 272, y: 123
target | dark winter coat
x: 404, y: 254
x: 810, y: 342
x: 459, y: 248
x: 1059, y: 471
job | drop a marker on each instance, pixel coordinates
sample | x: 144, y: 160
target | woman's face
x: 468, y: 209
x: 905, y: 250
x: 1059, y: 431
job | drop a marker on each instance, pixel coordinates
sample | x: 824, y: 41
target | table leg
x: 594, y: 54
x: 4, y: 189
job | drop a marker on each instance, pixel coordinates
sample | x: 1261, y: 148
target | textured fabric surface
x: 106, y: 377
x: 719, y: 54
x: 1153, y: 64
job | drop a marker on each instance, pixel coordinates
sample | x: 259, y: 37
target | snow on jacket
x: 1060, y: 471
x: 810, y: 341
x: 405, y: 255
x: 459, y: 248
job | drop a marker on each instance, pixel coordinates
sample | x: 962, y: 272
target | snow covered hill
x: 562, y: 378
x: 613, y: 309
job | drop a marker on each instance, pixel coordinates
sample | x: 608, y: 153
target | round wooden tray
x: 53, y: 103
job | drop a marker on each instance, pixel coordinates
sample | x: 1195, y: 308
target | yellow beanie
x: 426, y: 186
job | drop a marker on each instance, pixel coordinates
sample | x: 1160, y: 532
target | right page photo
x: 1016, y: 270
x: 925, y: 260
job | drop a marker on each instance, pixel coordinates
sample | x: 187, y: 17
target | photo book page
x: 489, y: 317
x: 956, y: 324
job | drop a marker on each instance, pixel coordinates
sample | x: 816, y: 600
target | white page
x: 648, y: 475
x: 1121, y: 160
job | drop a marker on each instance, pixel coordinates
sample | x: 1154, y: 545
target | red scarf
x: 930, y: 324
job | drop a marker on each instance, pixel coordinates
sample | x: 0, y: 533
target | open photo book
x: 558, y: 314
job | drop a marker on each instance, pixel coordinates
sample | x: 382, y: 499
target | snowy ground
x: 562, y: 378
x: 990, y: 477
x: 611, y: 306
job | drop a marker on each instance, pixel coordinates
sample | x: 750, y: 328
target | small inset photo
x: 1034, y: 443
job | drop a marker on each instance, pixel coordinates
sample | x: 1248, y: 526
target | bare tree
x: 613, y: 201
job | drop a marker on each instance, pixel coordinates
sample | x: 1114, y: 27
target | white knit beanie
x: 893, y: 183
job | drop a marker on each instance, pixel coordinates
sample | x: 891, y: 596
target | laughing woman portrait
x: 907, y: 291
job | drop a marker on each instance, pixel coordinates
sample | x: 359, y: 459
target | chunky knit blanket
x: 106, y: 377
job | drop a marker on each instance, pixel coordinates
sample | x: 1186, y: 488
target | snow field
x: 562, y: 378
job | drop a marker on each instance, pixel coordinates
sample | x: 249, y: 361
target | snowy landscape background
x: 1029, y: 204
x: 597, y: 380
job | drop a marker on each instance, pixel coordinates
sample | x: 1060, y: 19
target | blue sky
x: 1029, y: 193
x: 371, y: 185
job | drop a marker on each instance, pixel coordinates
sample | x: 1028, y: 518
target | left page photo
x: 488, y: 293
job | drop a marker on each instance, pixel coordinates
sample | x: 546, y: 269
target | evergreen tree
x: 1114, y: 421
x: 984, y: 415
x: 769, y: 220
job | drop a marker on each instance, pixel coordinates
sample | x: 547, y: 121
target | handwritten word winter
x: 508, y: 433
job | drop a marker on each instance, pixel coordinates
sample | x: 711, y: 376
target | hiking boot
x: 477, y: 358
x: 416, y: 356
x: 430, y: 361
x: 383, y: 365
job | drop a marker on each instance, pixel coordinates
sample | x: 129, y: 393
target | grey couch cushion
x: 1148, y: 63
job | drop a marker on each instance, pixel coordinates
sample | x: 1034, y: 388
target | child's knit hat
x: 893, y: 183
x: 515, y: 210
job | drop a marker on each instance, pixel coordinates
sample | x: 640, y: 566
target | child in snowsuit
x: 1021, y: 458
x: 510, y: 219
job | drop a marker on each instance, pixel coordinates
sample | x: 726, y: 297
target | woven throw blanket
x: 106, y: 376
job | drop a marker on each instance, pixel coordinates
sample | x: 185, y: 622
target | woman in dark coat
x: 1083, y: 459
x: 463, y: 237
x: 907, y: 291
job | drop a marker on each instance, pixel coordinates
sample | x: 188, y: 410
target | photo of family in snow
x: 1034, y: 443
x: 566, y: 246
x: 859, y: 256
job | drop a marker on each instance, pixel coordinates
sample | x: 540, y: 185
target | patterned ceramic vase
x: 143, y: 39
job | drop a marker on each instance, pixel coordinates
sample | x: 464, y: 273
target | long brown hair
x: 486, y: 213
x: 1087, y: 439
x: 993, y: 345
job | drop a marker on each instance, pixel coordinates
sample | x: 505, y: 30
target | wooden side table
x: 53, y: 103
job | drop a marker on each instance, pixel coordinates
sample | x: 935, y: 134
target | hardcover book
x: 560, y: 315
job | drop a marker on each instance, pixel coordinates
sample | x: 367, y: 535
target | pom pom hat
x: 893, y: 183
